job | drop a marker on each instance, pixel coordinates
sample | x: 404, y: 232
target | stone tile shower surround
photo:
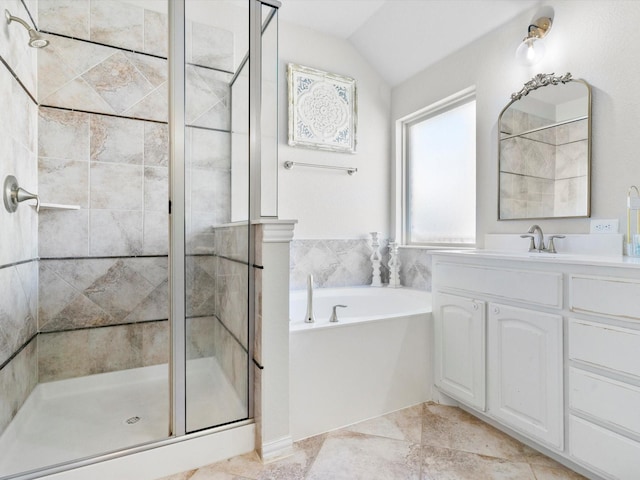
x: 102, y: 144
x: 80, y: 75
x: 230, y: 331
x: 117, y: 168
x: 346, y: 263
x: 18, y: 241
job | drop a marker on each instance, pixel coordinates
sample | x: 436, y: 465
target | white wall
x: 328, y: 203
x: 596, y: 40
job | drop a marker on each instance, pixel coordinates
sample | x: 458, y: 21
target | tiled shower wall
x: 347, y: 263
x: 18, y: 241
x: 103, y: 274
x: 104, y: 293
x: 231, y: 332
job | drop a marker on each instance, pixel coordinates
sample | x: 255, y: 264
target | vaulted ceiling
x: 399, y: 38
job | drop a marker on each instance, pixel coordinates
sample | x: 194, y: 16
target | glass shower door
x: 216, y: 213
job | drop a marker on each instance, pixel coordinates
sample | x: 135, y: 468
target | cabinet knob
x: 475, y: 306
x: 496, y: 310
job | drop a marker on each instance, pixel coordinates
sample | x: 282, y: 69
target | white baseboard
x: 277, y: 449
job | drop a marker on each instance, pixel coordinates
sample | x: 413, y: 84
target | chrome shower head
x: 35, y: 39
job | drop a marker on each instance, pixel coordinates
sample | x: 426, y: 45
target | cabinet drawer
x: 615, y: 297
x: 607, y: 346
x: 542, y: 288
x: 606, y: 399
x: 604, y: 450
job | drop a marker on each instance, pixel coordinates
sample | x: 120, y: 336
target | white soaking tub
x: 376, y: 359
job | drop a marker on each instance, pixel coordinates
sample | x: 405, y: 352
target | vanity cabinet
x: 525, y: 365
x: 459, y: 332
x: 604, y: 374
x: 513, y: 366
x: 548, y: 348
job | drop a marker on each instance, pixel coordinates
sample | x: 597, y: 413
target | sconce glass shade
x: 530, y: 51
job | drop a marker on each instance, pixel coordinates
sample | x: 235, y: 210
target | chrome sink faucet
x: 537, y: 240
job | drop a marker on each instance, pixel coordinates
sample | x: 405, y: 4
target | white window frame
x: 401, y: 213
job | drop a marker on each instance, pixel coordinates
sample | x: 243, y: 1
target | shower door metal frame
x: 177, y: 206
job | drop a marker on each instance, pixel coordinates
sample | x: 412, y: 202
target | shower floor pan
x: 71, y: 419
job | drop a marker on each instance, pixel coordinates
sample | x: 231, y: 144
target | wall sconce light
x: 531, y: 50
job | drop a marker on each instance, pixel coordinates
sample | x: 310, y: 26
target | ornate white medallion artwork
x: 322, y: 109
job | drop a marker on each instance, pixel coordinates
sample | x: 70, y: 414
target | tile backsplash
x: 415, y: 268
x: 334, y: 263
x: 346, y: 263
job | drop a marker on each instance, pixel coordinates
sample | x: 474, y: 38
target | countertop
x: 566, y: 258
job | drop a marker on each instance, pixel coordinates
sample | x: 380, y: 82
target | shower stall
x: 127, y: 299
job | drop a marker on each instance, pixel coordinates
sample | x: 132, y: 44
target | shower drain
x: 132, y: 420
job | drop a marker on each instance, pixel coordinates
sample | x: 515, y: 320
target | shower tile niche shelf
x: 561, y: 339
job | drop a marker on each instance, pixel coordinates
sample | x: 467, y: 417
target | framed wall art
x: 322, y: 109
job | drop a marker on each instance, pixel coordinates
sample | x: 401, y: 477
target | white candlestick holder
x: 394, y: 266
x: 375, y: 260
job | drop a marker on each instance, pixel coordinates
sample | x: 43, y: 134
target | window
x: 440, y: 173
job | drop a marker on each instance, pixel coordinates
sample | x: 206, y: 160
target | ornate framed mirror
x: 545, y: 150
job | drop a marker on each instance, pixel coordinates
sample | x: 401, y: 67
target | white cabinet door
x: 460, y: 348
x: 525, y: 371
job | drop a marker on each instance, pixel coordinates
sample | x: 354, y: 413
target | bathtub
x: 376, y: 359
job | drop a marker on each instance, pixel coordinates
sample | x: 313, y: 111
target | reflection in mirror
x: 544, y: 151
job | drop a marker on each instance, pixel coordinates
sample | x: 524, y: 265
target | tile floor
x: 426, y: 442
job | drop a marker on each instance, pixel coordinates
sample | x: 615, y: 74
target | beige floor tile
x: 180, y: 476
x: 429, y: 441
x: 454, y: 428
x: 207, y: 474
x: 543, y: 472
x: 297, y: 465
x: 404, y: 425
x: 354, y: 456
x: 249, y: 466
x: 446, y: 464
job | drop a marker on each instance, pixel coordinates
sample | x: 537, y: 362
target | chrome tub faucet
x: 309, y: 317
x: 334, y: 314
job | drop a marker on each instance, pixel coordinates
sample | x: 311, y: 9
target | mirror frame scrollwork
x: 538, y: 81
